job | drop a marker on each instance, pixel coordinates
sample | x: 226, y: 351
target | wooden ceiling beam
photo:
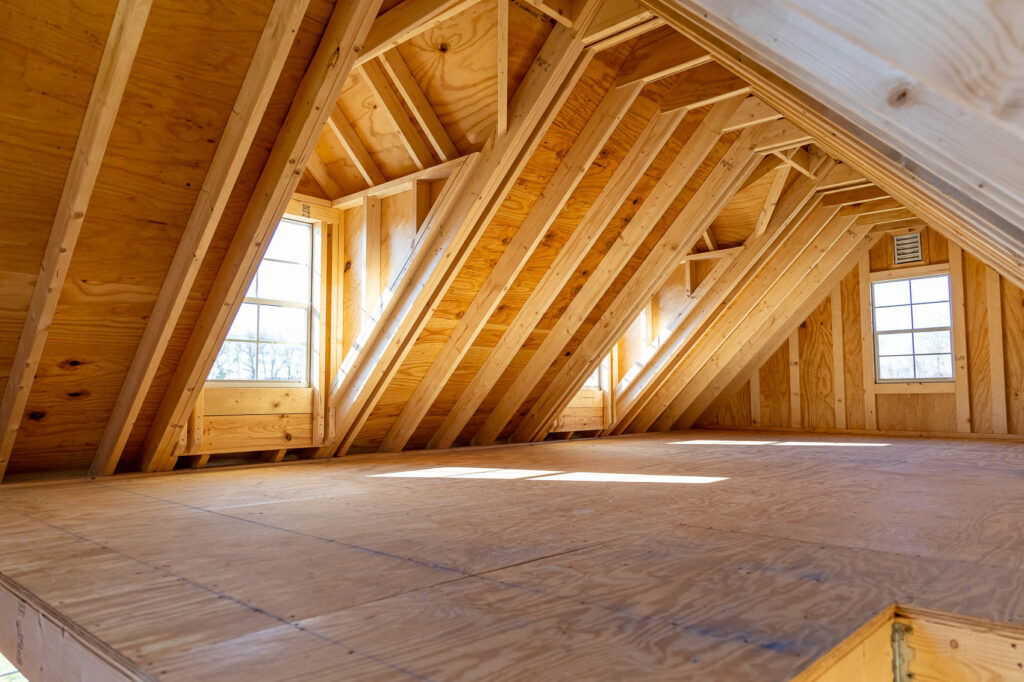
x: 338, y: 126
x: 771, y: 199
x: 322, y: 175
x: 888, y: 107
x: 686, y: 163
x: 855, y: 196
x: 756, y: 249
x: 317, y: 93
x: 660, y: 54
x: 528, y: 236
x: 559, y: 10
x: 616, y: 191
x: 417, y: 102
x: 616, y: 18
x: 399, y: 185
x: 704, y: 85
x: 651, y: 275
x: 356, y: 390
x: 502, y: 62
x: 405, y: 21
x: 753, y: 111
x: 382, y: 89
x: 115, y: 66
x: 268, y: 59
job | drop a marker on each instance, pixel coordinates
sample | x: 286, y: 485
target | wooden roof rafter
x: 642, y: 153
x: 115, y: 66
x: 650, y: 276
x: 562, y: 62
x: 345, y: 33
x: 279, y: 33
x: 863, y: 112
x: 687, y: 162
x: 532, y: 229
x: 798, y: 198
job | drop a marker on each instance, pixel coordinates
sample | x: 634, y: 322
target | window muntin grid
x: 912, y: 324
x: 268, y: 342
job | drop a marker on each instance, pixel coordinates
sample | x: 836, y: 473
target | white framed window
x: 912, y: 325
x: 269, y: 340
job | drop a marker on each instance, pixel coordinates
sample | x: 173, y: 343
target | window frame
x: 310, y: 307
x: 923, y: 272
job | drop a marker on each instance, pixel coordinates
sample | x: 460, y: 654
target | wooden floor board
x: 341, y: 569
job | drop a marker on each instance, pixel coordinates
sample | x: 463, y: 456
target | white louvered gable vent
x: 907, y: 248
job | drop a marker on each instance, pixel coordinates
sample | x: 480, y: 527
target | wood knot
x: 36, y: 416
x: 900, y: 95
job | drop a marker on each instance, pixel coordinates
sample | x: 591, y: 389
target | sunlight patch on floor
x: 541, y: 475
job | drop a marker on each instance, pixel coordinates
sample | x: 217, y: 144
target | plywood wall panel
x: 853, y: 358
x: 917, y: 412
x: 1013, y: 345
x: 978, y: 361
x: 817, y: 397
x: 774, y: 388
x: 918, y: 409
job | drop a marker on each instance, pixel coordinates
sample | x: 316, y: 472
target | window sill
x: 943, y: 386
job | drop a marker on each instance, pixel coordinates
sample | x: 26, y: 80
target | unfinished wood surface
x: 250, y: 106
x: 985, y: 325
x: 122, y: 44
x: 919, y: 152
x: 505, y: 270
x: 344, y: 35
x: 455, y: 587
x: 636, y: 162
x: 533, y: 108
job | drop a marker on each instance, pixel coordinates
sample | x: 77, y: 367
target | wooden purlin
x: 313, y: 102
x: 664, y: 362
x: 250, y: 105
x: 641, y: 154
x: 686, y: 163
x: 976, y: 212
x: 650, y: 276
x: 115, y: 66
x: 840, y: 236
x: 527, y: 237
x: 560, y: 64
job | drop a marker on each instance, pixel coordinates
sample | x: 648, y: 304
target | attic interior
x: 511, y: 339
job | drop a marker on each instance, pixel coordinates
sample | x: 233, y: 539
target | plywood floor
x: 329, y: 571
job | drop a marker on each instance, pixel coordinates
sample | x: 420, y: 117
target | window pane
x: 235, y: 362
x: 931, y: 315
x: 934, y: 366
x: 283, y: 282
x: 244, y: 326
x: 278, y: 323
x: 896, y: 367
x: 890, y: 319
x: 895, y: 344
x: 290, y: 242
x: 930, y: 289
x: 282, y: 363
x: 891, y: 293
x: 932, y: 342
